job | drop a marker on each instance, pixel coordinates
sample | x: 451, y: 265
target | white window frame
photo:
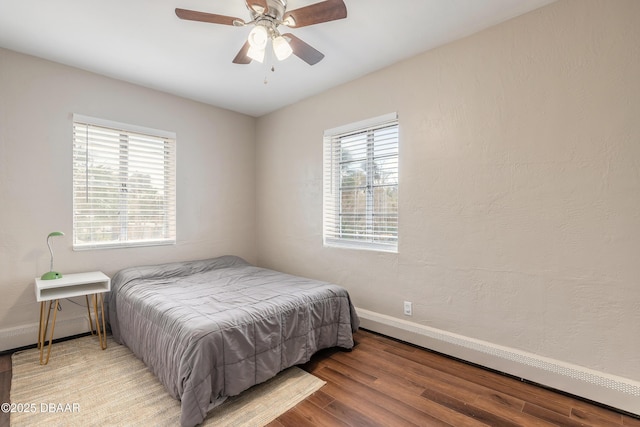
x: 367, y: 237
x: 128, y: 152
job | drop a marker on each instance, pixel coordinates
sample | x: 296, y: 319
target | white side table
x: 94, y: 283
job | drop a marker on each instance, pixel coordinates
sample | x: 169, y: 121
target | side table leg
x: 104, y: 326
x: 44, y: 330
x: 101, y: 329
x: 41, y: 334
x: 40, y: 324
x: 46, y: 322
x: 93, y: 332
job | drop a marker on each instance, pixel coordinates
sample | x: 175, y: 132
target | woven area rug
x: 85, y: 386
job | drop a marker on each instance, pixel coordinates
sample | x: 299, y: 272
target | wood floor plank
x: 394, y: 371
x: 5, y: 363
x: 355, y: 374
x: 393, y: 412
x: 506, y: 410
x: 490, y: 418
x: 396, y: 388
x: 5, y: 387
x: 350, y: 415
x: 552, y: 416
x: 588, y: 410
x: 629, y: 421
x: 481, y: 399
x: 499, y: 400
x: 523, y: 391
x: 318, y: 417
x: 320, y: 399
x: 422, y: 374
x: 348, y: 406
x: 596, y: 418
x: 292, y: 418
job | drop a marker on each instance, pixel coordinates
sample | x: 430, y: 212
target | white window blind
x: 360, y: 205
x: 124, y: 185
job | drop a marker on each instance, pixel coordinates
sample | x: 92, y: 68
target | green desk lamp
x: 50, y: 275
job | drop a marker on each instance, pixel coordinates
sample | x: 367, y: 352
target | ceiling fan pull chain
x: 273, y: 70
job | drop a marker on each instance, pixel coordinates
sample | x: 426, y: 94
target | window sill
x: 366, y: 246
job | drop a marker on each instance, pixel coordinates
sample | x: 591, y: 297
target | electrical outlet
x: 408, y: 308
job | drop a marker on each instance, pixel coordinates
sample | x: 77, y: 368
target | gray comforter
x: 210, y: 329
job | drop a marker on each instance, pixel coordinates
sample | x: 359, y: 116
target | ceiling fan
x: 266, y: 17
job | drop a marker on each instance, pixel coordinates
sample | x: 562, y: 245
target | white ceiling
x: 143, y: 42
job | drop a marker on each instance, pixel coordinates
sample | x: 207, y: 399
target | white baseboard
x: 26, y: 335
x: 610, y: 390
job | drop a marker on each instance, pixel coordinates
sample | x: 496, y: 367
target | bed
x: 210, y: 329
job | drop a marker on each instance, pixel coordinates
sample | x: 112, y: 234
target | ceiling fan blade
x: 259, y: 6
x: 303, y: 51
x: 242, y: 57
x: 328, y: 10
x: 193, y: 15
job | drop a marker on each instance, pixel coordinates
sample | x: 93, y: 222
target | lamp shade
x: 258, y: 37
x: 256, y: 54
x: 281, y: 48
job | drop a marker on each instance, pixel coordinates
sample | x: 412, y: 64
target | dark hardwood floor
x: 5, y: 386
x: 383, y: 382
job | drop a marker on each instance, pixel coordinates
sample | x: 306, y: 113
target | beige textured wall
x: 215, y: 176
x: 519, y: 186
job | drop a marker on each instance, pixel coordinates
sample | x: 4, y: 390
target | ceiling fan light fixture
x: 256, y: 54
x: 266, y: 17
x: 281, y: 48
x: 258, y: 37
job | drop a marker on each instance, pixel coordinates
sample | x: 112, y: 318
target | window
x: 124, y: 185
x: 361, y: 185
